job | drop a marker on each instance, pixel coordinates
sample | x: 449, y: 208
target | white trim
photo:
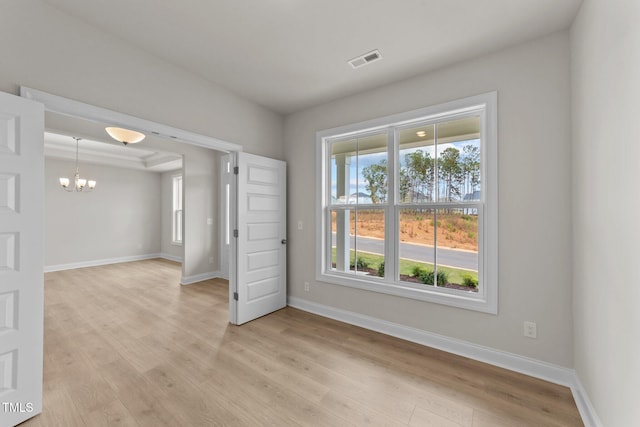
x: 226, y: 178
x: 177, y: 226
x: 97, y: 262
x: 585, y: 407
x: 233, y: 253
x: 69, y: 107
x: 525, y: 365
x: 189, y: 280
x: 170, y: 257
x: 486, y: 299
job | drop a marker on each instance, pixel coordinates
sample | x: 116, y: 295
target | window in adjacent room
x: 177, y: 210
x: 408, y: 204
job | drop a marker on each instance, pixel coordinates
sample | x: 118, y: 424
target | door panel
x: 21, y: 258
x: 261, y: 242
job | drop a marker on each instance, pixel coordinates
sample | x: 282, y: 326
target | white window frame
x: 486, y: 299
x: 177, y: 211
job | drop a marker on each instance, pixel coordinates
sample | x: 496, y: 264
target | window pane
x: 458, y: 159
x: 416, y: 168
x: 417, y: 245
x: 457, y: 249
x: 177, y: 209
x: 343, y: 179
x: 177, y: 192
x: 359, y: 170
x: 372, y: 169
x: 177, y: 227
x: 368, y: 255
x: 357, y: 241
x: 447, y: 236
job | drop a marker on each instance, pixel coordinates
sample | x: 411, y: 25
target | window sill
x: 453, y: 298
x: 176, y: 243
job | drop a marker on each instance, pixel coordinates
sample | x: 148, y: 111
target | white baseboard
x: 97, y: 262
x: 170, y: 257
x: 585, y: 407
x: 524, y: 365
x: 188, y: 280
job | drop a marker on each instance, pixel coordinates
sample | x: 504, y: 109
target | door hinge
x: 235, y: 296
x: 236, y: 170
x: 235, y: 233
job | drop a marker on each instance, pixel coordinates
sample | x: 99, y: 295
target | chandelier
x: 79, y: 184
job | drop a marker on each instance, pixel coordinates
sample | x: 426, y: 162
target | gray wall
x: 605, y: 42
x: 54, y: 52
x: 201, y: 201
x: 120, y: 218
x: 532, y: 81
x: 166, y: 214
x: 201, y: 174
x: 43, y: 46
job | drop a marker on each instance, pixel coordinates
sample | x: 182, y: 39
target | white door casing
x: 261, y: 238
x: 21, y: 258
x: 226, y: 182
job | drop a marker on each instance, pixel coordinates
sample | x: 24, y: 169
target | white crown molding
x: 98, y: 152
x: 157, y: 165
x: 546, y: 371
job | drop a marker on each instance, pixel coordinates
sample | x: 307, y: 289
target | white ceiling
x: 292, y: 54
x: 97, y: 147
x: 64, y: 147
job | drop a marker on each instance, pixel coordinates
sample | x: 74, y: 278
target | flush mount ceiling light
x: 125, y: 136
x: 421, y: 133
x: 365, y: 59
x: 79, y: 184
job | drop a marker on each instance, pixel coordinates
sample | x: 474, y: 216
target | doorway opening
x: 200, y: 156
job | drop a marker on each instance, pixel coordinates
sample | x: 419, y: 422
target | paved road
x: 446, y: 257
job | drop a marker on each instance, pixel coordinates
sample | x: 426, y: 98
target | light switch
x: 299, y: 225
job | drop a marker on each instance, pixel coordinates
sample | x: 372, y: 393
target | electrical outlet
x: 306, y: 286
x: 530, y: 329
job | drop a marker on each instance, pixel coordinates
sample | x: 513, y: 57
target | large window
x: 177, y: 210
x: 408, y: 204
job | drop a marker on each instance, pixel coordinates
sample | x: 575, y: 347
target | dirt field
x: 454, y: 230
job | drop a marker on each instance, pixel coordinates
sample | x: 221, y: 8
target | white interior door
x: 260, y: 267
x: 21, y: 258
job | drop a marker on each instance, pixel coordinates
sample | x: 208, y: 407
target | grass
x: 407, y: 266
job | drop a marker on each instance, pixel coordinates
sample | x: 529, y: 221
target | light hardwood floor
x: 126, y: 345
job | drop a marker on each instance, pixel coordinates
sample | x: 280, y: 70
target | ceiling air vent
x: 365, y: 59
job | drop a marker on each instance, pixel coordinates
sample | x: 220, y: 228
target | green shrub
x: 428, y: 277
x: 469, y: 280
x: 418, y: 271
x: 361, y: 263
x: 381, y: 269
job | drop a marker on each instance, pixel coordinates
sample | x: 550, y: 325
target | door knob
x: 284, y: 241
